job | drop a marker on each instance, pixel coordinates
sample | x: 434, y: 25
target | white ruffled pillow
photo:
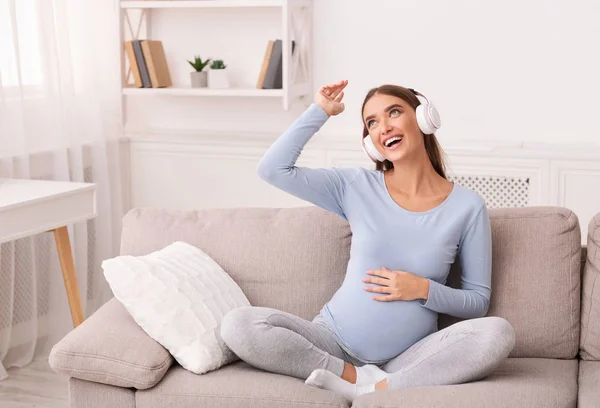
x: 178, y: 296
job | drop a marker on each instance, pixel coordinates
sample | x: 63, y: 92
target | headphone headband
x: 417, y: 94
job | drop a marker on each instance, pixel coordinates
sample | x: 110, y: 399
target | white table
x: 29, y: 207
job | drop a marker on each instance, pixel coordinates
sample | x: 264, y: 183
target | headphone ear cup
x: 428, y: 118
x: 371, y: 151
x: 422, y: 119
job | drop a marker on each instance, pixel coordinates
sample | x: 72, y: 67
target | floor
x: 34, y: 386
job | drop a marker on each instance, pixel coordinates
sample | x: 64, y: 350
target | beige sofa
x: 294, y: 259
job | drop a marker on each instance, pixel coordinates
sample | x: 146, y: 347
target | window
x: 20, y: 47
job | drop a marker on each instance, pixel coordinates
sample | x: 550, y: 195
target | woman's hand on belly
x: 396, y: 285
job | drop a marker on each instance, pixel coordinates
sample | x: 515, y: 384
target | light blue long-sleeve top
x: 385, y: 234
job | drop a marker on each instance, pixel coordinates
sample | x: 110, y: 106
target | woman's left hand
x: 396, y: 285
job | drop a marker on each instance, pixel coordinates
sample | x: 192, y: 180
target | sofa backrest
x: 536, y: 279
x: 289, y: 259
x: 590, y: 297
x: 294, y: 259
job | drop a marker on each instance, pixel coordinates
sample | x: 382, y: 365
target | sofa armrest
x: 111, y: 348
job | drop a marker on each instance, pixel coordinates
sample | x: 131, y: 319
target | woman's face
x: 393, y: 127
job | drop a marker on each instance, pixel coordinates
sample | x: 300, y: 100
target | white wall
x: 498, y: 71
x: 516, y: 83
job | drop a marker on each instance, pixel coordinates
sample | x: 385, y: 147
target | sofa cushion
x: 535, y: 279
x: 590, y: 298
x: 518, y: 382
x: 589, y: 378
x: 291, y: 259
x: 110, y: 348
x: 232, y: 386
x: 87, y: 394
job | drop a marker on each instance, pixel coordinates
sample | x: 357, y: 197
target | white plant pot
x: 199, y: 79
x: 218, y: 78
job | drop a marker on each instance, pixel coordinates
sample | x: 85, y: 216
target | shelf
x: 295, y: 17
x: 203, y: 92
x: 201, y: 4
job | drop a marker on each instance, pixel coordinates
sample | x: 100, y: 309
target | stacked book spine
x: 148, y: 64
x: 271, y: 71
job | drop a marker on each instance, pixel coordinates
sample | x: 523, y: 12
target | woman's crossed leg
x: 463, y: 352
x: 281, y: 343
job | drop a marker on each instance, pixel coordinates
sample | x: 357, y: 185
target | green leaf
x: 218, y: 64
x: 198, y: 64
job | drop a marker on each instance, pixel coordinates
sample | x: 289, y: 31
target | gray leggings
x: 282, y: 343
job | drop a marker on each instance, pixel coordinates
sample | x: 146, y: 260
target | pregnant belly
x: 377, y: 331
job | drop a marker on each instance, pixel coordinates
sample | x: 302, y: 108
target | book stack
x: 271, y: 71
x: 148, y: 64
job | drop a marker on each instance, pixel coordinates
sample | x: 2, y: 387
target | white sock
x: 369, y: 374
x: 329, y: 381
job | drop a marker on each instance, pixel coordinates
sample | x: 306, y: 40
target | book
x: 139, y: 56
x: 133, y: 65
x: 265, y: 65
x: 274, y: 65
x: 156, y: 63
x: 274, y: 75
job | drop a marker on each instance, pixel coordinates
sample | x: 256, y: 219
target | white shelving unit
x: 296, y: 25
x: 201, y: 3
x: 204, y: 92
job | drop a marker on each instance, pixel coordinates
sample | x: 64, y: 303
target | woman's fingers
x: 338, y: 88
x: 333, y: 89
x: 385, y: 298
x: 325, y: 90
x: 377, y: 281
x: 379, y: 289
x: 326, y: 87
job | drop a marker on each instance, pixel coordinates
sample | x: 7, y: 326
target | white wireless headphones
x: 428, y: 119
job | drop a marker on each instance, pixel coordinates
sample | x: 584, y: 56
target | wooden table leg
x: 61, y: 236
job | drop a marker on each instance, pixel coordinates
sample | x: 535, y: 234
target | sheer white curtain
x: 59, y: 120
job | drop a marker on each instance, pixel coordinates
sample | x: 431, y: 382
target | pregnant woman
x: 409, y: 223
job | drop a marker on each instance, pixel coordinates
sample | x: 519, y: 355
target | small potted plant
x: 199, y: 78
x: 218, y: 75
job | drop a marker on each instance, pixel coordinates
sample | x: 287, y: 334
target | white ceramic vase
x: 218, y: 78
